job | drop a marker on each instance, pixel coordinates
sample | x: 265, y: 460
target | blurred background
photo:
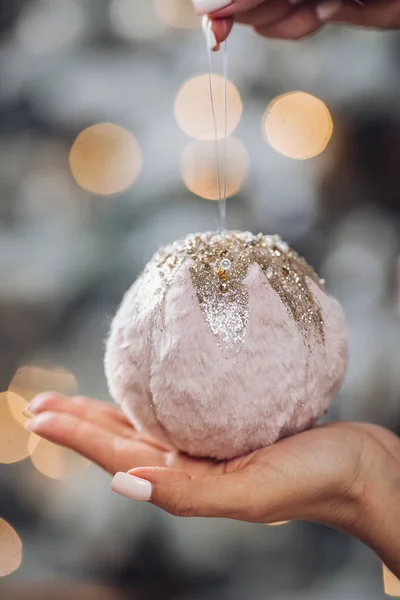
x: 106, y: 153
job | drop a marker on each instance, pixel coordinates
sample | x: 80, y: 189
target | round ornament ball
x: 226, y: 343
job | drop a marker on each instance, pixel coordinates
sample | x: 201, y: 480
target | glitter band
x: 219, y: 265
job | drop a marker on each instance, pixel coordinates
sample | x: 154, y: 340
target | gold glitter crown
x: 219, y: 263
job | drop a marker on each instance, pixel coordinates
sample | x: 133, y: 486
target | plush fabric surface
x: 174, y: 382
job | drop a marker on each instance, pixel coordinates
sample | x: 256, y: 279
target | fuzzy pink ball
x: 226, y: 343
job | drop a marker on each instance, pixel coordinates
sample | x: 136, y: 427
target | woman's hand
x: 346, y: 475
x: 295, y: 19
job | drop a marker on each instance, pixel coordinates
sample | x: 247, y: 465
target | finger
x: 378, y: 14
x: 109, y: 417
x: 299, y: 23
x: 225, y: 496
x: 110, y: 409
x: 265, y: 14
x: 112, y: 452
x: 98, y: 413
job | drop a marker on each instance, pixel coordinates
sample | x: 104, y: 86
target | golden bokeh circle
x: 17, y: 406
x: 14, y: 439
x: 199, y: 167
x: 391, y: 583
x: 193, y: 109
x: 105, y: 159
x: 298, y: 125
x: 10, y: 549
x: 56, y: 462
x: 33, y: 379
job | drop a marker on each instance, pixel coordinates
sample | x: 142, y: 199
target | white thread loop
x: 222, y: 186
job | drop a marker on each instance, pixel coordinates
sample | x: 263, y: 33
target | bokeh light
x: 105, y: 159
x: 31, y: 380
x: 15, y: 442
x: 391, y: 583
x: 199, y: 167
x: 193, y: 109
x: 17, y: 405
x: 48, y: 27
x: 298, y: 125
x: 177, y: 13
x: 10, y: 549
x: 56, y: 462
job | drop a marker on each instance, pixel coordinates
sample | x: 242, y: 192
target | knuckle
x: 181, y: 507
x: 179, y: 502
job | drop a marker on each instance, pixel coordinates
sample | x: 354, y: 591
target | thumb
x: 182, y: 495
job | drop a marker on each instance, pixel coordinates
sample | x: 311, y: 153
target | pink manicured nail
x: 132, y: 487
x: 326, y: 10
x: 202, y: 7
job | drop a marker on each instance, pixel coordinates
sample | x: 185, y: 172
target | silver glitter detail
x: 219, y: 265
x: 282, y: 246
x: 225, y: 264
x: 268, y: 241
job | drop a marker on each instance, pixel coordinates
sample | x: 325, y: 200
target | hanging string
x: 222, y: 202
x: 221, y: 165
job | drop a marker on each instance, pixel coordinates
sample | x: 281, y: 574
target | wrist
x: 372, y: 514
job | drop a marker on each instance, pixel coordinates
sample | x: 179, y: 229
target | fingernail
x: 35, y: 404
x: 326, y: 10
x: 132, y: 487
x: 209, y: 33
x: 208, y: 6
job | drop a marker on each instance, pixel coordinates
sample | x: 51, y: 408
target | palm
x: 310, y: 464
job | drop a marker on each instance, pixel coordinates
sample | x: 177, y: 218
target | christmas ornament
x: 226, y: 343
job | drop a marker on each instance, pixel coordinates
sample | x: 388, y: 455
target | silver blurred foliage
x: 135, y: 21
x: 49, y: 26
x: 361, y: 274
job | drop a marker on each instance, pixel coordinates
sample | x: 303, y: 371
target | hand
x: 295, y: 19
x: 345, y: 474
